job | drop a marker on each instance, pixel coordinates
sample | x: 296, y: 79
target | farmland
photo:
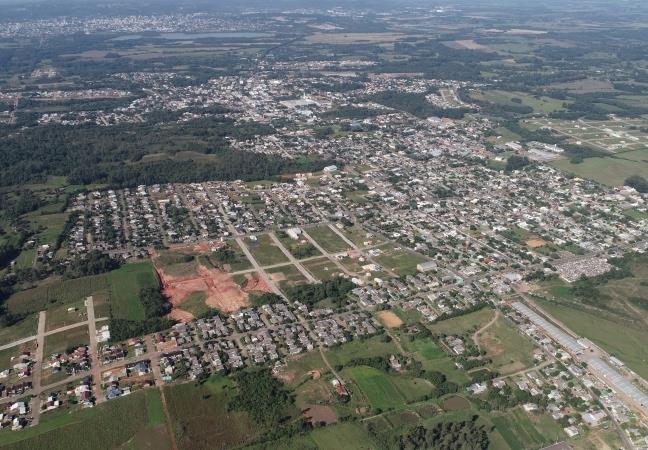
x: 107, y: 426
x: 201, y: 419
x: 56, y: 293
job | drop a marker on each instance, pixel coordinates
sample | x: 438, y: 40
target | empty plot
x: 328, y: 239
x: 60, y: 342
x: 322, y: 268
x: 265, y: 251
x: 125, y: 285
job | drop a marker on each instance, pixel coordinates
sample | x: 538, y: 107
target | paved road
x: 292, y: 259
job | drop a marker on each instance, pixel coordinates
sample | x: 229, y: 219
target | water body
x: 186, y: 36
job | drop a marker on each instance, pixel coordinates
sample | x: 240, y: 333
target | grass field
x: 361, y: 237
x: 541, y: 104
x: 241, y: 262
x: 399, y: 260
x: 60, y: 316
x: 607, y: 170
x: 125, y: 284
x: 377, y: 387
x: 113, y: 424
x: 286, y: 276
x: 519, y: 432
x: 56, y: 293
x: 25, y: 328
x: 195, y: 304
x: 322, y: 268
x: 509, y: 351
x: 201, y: 419
x: 59, y: 342
x: 463, y: 324
x: 620, y: 339
x: 373, y: 346
x: 265, y: 251
x: 327, y: 239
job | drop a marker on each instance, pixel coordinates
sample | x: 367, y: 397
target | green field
x: 24, y: 328
x: 322, y: 268
x: 377, y: 387
x: 195, y: 304
x: 56, y: 293
x: 463, y: 324
x: 611, y: 171
x: 59, y: 342
x: 125, y: 284
x: 427, y: 348
x: 59, y: 316
x: 519, y: 432
x: 509, y: 351
x: 201, y: 418
x: 287, y: 275
x: 327, y: 239
x: 367, y: 348
x: 122, y: 422
x: 265, y: 251
x: 540, y: 104
x: 399, y: 260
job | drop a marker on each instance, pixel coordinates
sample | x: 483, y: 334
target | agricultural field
x: 60, y: 342
x: 201, y: 419
x: 353, y: 38
x: 265, y: 251
x: 327, y: 239
x: 56, y: 293
x: 610, y: 171
x: 520, y: 432
x: 125, y: 284
x: 540, y: 104
x: 132, y: 421
x: 399, y: 260
x: 384, y: 391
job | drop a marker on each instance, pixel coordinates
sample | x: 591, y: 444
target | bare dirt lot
x: 320, y: 414
x: 221, y: 292
x: 536, y: 243
x: 389, y: 319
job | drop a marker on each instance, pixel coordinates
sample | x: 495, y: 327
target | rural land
x: 304, y: 224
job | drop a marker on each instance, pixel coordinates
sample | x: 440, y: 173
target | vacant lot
x: 509, y: 350
x: 60, y: 342
x: 399, y: 260
x: 125, y: 285
x: 609, y: 171
x: 389, y: 319
x: 201, y: 419
x: 327, y: 239
x: 56, y: 293
x: 265, y: 251
x: 322, y: 268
